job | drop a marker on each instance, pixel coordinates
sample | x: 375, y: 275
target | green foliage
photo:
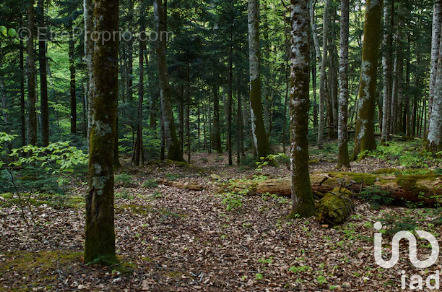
x: 376, y: 197
x: 408, y: 154
x: 394, y: 224
x: 42, y: 169
x: 299, y: 269
x: 274, y: 160
x: 232, y: 201
x: 150, y: 184
x: 124, y: 180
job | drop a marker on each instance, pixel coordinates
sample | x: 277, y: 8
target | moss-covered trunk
x: 364, y: 136
x: 301, y: 190
x: 100, y: 233
x: 174, y: 150
x: 424, y: 189
x: 260, y: 138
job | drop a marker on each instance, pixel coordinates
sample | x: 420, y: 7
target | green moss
x: 136, y: 209
x: 335, y: 207
x: 360, y: 178
x: 56, y: 201
x: 37, y: 268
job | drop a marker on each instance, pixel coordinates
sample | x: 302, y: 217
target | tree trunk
x: 260, y: 138
x: 22, y: 95
x: 130, y: 49
x: 100, y: 232
x: 72, y: 84
x: 435, y: 129
x: 322, y: 83
x: 216, y: 123
x: 32, y: 96
x: 230, y: 101
x: 43, y: 75
x: 435, y: 40
x: 364, y: 136
x: 302, y: 196
x: 412, y: 188
x: 89, y: 51
x: 138, y: 157
x: 343, y: 159
x: 173, y: 145
x: 387, y: 70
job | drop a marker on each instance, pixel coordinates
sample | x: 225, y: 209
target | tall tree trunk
x: 188, y: 102
x: 435, y: 40
x: 173, y: 145
x: 435, y: 129
x: 22, y: 95
x: 43, y: 76
x: 260, y: 138
x: 230, y: 101
x: 407, y: 90
x: 302, y: 195
x: 239, y: 127
x: 32, y: 95
x: 322, y: 86
x: 364, y: 136
x: 100, y: 232
x: 343, y: 159
x: 72, y: 84
x: 130, y: 58
x: 387, y: 57
x: 138, y: 157
x: 89, y: 51
x: 216, y: 122
x: 316, y: 60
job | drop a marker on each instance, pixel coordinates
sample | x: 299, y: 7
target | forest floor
x: 170, y: 238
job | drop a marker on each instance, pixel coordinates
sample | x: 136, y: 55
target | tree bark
x: 172, y: 143
x: 72, y: 81
x: 435, y: 129
x: 100, y: 232
x: 138, y: 157
x: 43, y: 75
x: 89, y: 51
x: 435, y: 40
x: 216, y: 122
x: 302, y: 196
x: 323, y: 96
x: 260, y: 138
x: 230, y: 101
x: 364, y: 136
x: 387, y: 57
x: 22, y: 94
x: 32, y: 95
x: 343, y: 158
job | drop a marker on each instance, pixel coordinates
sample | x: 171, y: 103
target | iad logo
x: 412, y: 248
x: 416, y: 281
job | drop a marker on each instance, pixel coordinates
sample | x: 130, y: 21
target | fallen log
x: 421, y: 189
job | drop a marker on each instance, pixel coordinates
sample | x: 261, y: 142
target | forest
x: 220, y: 145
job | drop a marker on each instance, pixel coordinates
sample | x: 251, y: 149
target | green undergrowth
x: 409, y: 154
x: 56, y: 201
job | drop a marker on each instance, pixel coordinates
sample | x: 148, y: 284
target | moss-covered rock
x: 335, y: 207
